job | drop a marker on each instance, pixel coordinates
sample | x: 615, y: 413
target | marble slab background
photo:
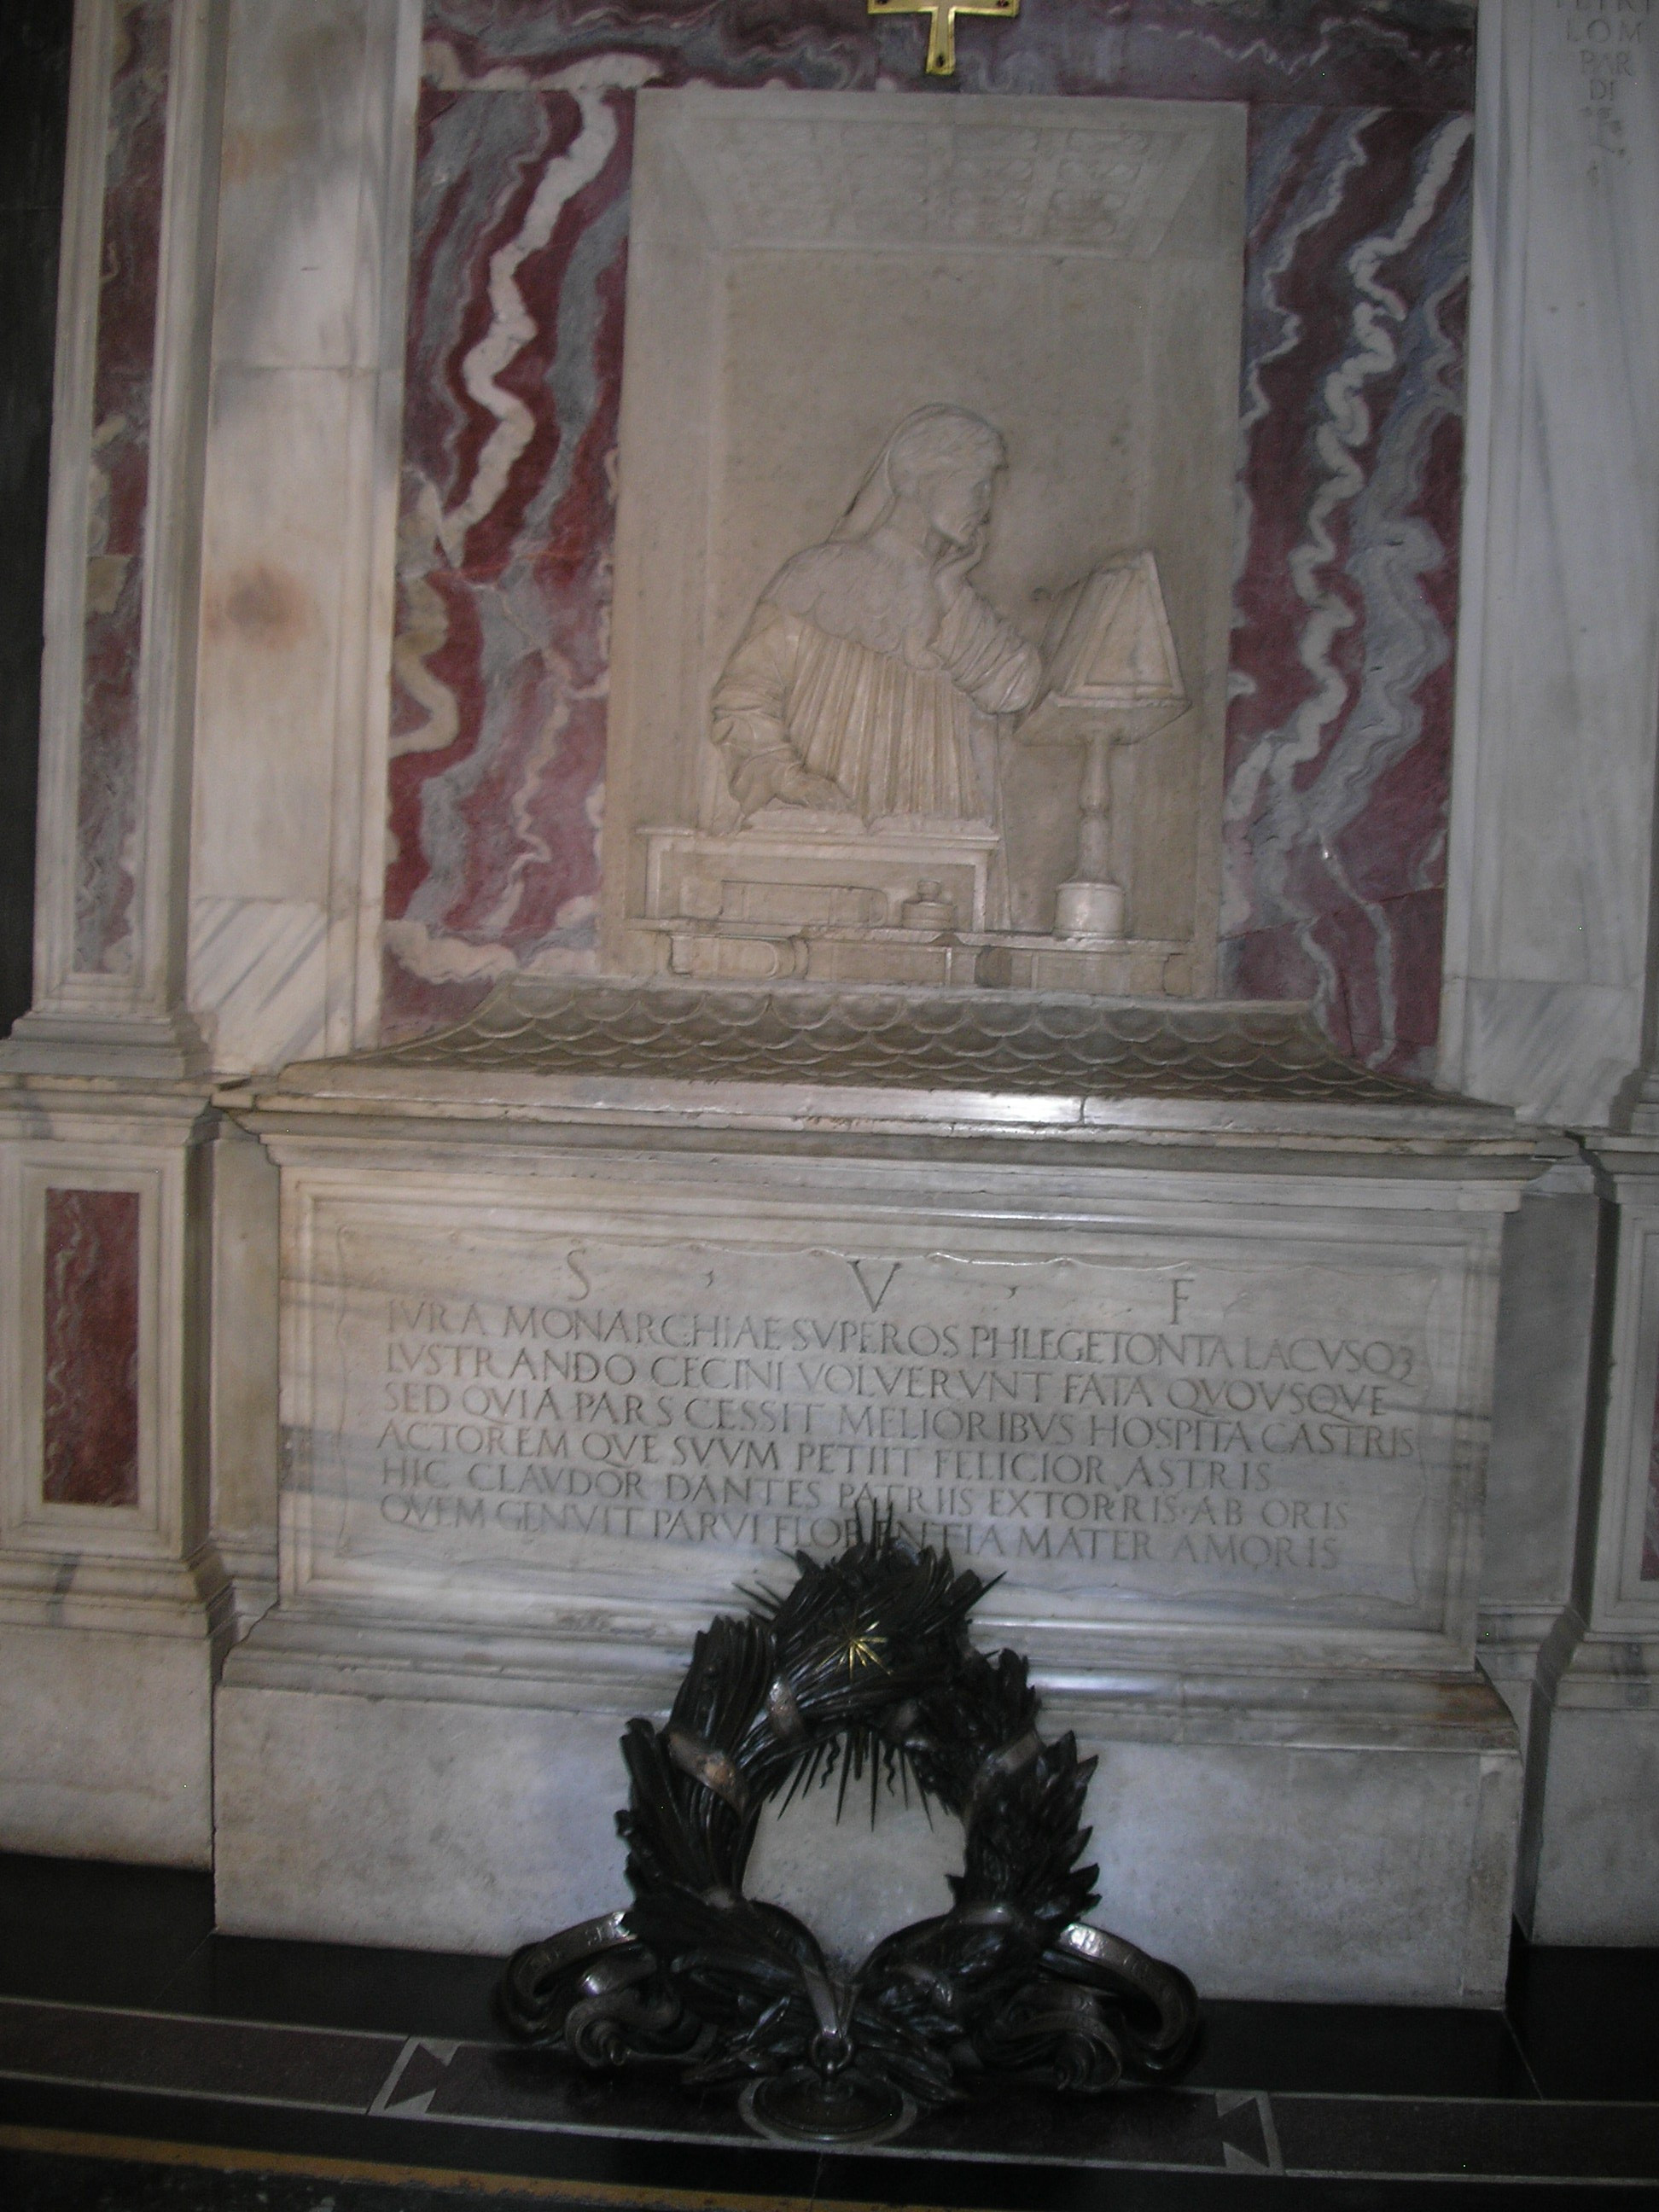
x: 107, y: 794
x: 1345, y: 602
x: 1352, y: 385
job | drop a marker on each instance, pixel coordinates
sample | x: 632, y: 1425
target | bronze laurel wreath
x: 866, y: 1660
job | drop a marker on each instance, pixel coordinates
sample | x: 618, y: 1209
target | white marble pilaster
x: 1548, y: 998
x: 129, y: 1018
x: 1548, y: 894
x: 115, y: 1615
x: 299, y: 526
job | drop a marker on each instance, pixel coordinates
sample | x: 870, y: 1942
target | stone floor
x: 147, y: 2063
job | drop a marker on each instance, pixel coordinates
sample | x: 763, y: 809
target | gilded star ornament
x: 862, y: 1648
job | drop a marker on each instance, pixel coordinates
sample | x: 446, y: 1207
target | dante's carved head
x: 943, y: 460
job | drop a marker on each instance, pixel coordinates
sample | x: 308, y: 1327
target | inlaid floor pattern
x: 146, y: 2062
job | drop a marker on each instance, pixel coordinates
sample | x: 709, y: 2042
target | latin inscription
x: 1154, y: 1427
x: 1606, y: 42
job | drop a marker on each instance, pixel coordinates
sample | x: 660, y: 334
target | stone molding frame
x: 1621, y: 1598
x: 108, y: 1148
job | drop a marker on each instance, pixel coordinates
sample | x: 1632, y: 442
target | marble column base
x: 1591, y: 1850
x: 107, y: 1738
x: 164, y: 1048
x: 115, y: 1606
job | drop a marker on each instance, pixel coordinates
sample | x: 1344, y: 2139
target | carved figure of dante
x: 871, y: 674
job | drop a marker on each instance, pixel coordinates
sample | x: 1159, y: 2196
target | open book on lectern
x: 1110, y: 658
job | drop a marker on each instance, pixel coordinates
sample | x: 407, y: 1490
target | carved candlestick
x: 1091, y: 904
x: 1111, y: 678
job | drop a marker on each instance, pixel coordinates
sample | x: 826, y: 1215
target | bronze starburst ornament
x: 863, y: 1647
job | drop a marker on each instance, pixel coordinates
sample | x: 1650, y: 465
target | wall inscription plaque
x: 1192, y: 1431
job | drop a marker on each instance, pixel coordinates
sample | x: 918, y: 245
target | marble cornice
x: 1252, y: 1079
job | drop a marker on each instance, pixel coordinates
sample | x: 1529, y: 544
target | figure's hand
x: 778, y: 774
x: 953, y: 570
x: 798, y: 786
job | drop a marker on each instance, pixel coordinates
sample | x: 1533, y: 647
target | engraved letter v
x: 873, y: 1298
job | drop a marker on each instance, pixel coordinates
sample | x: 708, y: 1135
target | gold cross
x: 942, y: 29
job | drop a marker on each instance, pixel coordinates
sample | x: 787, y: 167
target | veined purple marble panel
x: 1338, y: 762
x: 89, y: 1396
x: 1345, y: 610
x: 108, y: 798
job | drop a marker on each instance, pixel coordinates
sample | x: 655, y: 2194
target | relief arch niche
x: 924, y: 541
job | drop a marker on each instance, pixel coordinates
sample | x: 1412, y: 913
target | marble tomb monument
x: 873, y: 1193
x: 773, y: 792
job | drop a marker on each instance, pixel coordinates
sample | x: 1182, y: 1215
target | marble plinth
x: 1282, y: 1844
x: 1162, y: 1314
x: 108, y: 1739
x: 115, y: 1602
x: 430, y: 1821
x: 1591, y: 1838
x: 1543, y: 1391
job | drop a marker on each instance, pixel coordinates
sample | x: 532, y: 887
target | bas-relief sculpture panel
x: 1355, y: 275
x: 984, y: 355
x: 863, y: 679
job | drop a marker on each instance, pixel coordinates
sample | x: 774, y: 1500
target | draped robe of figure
x: 870, y: 669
